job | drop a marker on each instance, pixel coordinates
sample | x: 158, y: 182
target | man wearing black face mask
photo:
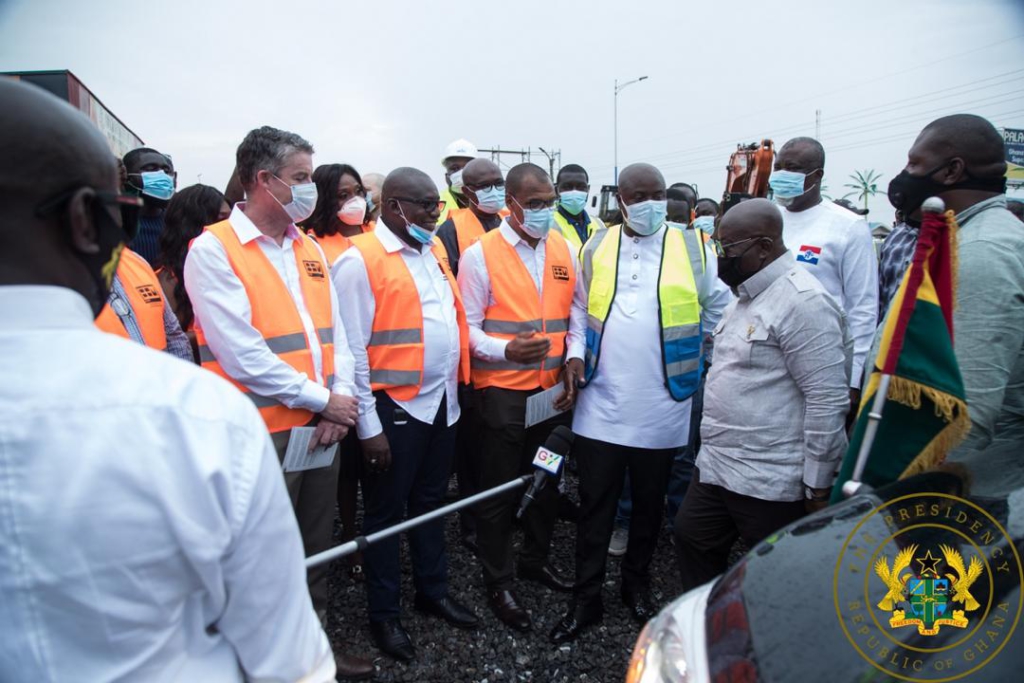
x: 960, y: 159
x: 150, y: 175
x: 775, y: 400
x: 175, y: 525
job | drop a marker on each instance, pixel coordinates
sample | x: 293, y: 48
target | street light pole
x: 615, y: 125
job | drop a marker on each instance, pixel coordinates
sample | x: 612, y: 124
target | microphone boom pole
x: 361, y: 542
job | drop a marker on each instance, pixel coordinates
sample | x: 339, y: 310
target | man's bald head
x: 808, y: 150
x: 637, y: 175
x: 752, y: 218
x: 479, y: 172
x: 403, y: 181
x: 55, y: 159
x: 969, y: 137
x: 409, y: 196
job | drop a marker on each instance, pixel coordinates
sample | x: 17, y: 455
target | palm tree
x: 864, y: 185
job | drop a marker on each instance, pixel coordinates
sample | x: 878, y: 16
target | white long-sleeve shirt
x: 477, y: 295
x: 441, y: 348
x: 627, y: 402
x: 835, y: 245
x: 224, y: 313
x: 145, y: 530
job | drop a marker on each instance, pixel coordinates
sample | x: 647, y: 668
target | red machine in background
x: 747, y: 173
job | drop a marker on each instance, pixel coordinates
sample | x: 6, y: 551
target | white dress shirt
x: 224, y: 314
x: 626, y: 402
x: 441, y: 350
x: 477, y: 296
x: 845, y: 264
x: 145, y: 530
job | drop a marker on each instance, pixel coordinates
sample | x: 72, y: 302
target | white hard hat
x: 459, y: 148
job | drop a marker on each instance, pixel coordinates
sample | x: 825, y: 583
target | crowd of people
x: 709, y: 366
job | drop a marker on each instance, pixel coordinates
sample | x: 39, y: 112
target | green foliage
x: 864, y: 185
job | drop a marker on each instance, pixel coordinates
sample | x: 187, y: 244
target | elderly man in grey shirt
x: 775, y: 400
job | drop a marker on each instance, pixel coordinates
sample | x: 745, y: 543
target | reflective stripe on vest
x: 395, y: 349
x: 682, y: 262
x: 276, y: 318
x: 518, y: 307
x: 569, y: 231
x: 145, y: 298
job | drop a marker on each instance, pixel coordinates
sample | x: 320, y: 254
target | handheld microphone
x: 548, y: 463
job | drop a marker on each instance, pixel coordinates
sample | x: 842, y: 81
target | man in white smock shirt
x: 832, y: 243
x: 169, y: 551
x: 651, y: 291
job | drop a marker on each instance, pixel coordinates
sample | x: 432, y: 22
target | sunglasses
x: 425, y: 204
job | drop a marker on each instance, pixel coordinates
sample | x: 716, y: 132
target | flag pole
x: 854, y: 485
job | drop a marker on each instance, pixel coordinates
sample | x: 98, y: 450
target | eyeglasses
x: 720, y: 248
x: 129, y: 206
x: 427, y: 205
x: 537, y: 204
x: 492, y: 186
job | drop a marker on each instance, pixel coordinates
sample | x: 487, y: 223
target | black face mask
x: 908, y: 192
x: 103, y: 264
x: 729, y: 270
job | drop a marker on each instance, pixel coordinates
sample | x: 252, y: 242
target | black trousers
x: 507, y: 452
x: 602, y: 467
x: 421, y: 459
x: 467, y: 455
x: 710, y: 520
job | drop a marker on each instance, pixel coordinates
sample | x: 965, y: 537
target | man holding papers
x: 518, y: 284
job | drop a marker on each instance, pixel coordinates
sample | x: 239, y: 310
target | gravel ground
x: 495, y: 652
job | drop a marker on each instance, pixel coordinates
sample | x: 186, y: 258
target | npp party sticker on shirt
x: 808, y: 254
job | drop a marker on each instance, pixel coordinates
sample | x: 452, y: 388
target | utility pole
x: 615, y: 125
x: 555, y: 154
x: 497, y: 152
x: 817, y: 124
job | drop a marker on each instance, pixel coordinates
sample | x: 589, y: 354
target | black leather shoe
x: 505, y: 606
x: 353, y: 668
x: 640, y: 605
x: 548, y: 576
x: 392, y: 639
x: 575, y: 620
x: 449, y: 610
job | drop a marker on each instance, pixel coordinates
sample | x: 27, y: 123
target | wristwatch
x: 811, y: 493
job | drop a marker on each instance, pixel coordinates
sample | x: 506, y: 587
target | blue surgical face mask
x: 456, y: 179
x: 370, y: 204
x: 705, y: 224
x: 645, y: 218
x: 157, y: 184
x: 418, y: 233
x: 537, y: 222
x: 573, y: 201
x: 304, y: 196
x: 491, y: 199
x: 786, y: 186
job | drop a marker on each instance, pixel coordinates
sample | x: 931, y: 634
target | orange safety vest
x: 518, y: 307
x: 277, y: 319
x: 468, y: 228
x: 395, y: 350
x: 145, y: 298
x: 335, y: 245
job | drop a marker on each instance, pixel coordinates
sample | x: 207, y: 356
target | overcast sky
x: 381, y: 84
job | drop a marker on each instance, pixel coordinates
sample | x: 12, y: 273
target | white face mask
x: 353, y: 211
x: 456, y: 179
x: 303, y: 200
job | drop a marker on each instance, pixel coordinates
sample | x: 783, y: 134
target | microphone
x: 548, y: 463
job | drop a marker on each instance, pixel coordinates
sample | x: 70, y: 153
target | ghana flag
x: 925, y: 412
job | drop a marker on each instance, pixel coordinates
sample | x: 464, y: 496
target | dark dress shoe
x: 353, y: 668
x: 449, y: 610
x: 469, y: 543
x: 505, y: 606
x: 392, y: 639
x: 575, y: 620
x: 641, y: 606
x: 548, y: 576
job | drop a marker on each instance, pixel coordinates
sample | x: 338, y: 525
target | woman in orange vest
x: 341, y: 211
x: 188, y: 212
